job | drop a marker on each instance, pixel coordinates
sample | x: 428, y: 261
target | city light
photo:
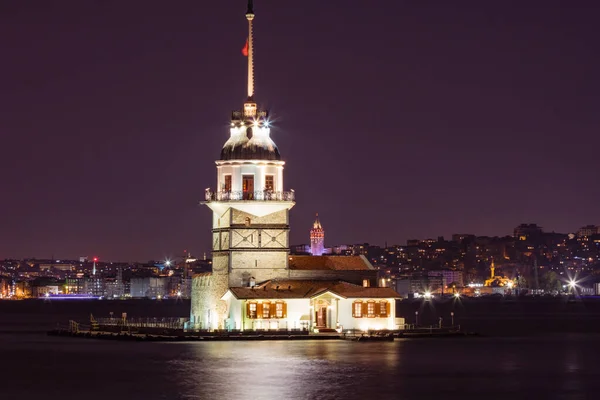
x: 457, y: 295
x: 168, y: 263
x: 472, y: 285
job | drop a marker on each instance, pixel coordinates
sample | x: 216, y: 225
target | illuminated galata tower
x: 317, y: 238
x: 250, y: 229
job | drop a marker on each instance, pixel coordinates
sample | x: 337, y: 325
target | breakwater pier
x: 171, y: 330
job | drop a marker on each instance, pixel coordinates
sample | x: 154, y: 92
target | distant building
x: 23, y: 289
x: 150, y: 287
x: 41, y: 291
x: 588, y: 230
x: 300, y: 249
x: 75, y: 286
x: 96, y: 286
x: 60, y: 266
x: 460, y: 237
x: 342, y: 250
x: 527, y: 231
x: 5, y: 287
x: 317, y: 238
x: 115, y: 288
x: 185, y: 288
x: 448, y: 277
x: 419, y: 285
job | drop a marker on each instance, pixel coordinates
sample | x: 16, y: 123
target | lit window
x: 252, y: 310
x: 265, y: 310
x: 249, y: 109
x: 370, y: 309
x: 383, y: 309
x: 269, y: 182
x: 279, y: 310
x: 357, y: 309
x: 227, y: 187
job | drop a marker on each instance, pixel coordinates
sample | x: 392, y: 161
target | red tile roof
x: 336, y: 263
x: 350, y: 290
x: 303, y: 289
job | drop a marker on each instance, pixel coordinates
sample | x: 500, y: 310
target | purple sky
x: 407, y: 119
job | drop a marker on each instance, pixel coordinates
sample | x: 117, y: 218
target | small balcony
x: 239, y: 195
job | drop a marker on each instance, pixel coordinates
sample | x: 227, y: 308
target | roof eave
x: 325, y: 291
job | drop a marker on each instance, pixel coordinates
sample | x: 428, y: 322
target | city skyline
x: 173, y: 256
x: 443, y: 119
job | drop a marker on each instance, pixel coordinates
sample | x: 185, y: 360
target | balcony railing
x: 239, y: 195
x: 239, y: 115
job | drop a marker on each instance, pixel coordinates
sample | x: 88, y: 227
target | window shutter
x: 365, y: 309
x: 248, y: 310
x: 387, y: 309
x: 273, y: 311
x: 259, y: 313
x: 353, y: 309
x: 284, y: 310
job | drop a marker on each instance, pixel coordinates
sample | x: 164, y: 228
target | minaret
x: 250, y: 231
x: 317, y: 238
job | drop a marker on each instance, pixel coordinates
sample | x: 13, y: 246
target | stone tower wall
x: 263, y: 255
x: 238, y: 217
x: 208, y: 311
x: 262, y: 265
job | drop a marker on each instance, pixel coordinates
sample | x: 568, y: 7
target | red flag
x: 245, y: 49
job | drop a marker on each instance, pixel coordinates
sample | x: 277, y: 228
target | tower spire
x: 317, y: 238
x: 317, y: 223
x: 250, y: 17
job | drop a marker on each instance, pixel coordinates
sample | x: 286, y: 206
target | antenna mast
x: 250, y: 17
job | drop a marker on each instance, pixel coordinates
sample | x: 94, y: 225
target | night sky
x: 397, y: 119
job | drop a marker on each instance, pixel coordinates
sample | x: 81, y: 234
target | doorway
x: 248, y: 186
x: 321, y: 316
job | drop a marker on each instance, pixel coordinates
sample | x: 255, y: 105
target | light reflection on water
x: 555, y: 367
x: 286, y: 370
